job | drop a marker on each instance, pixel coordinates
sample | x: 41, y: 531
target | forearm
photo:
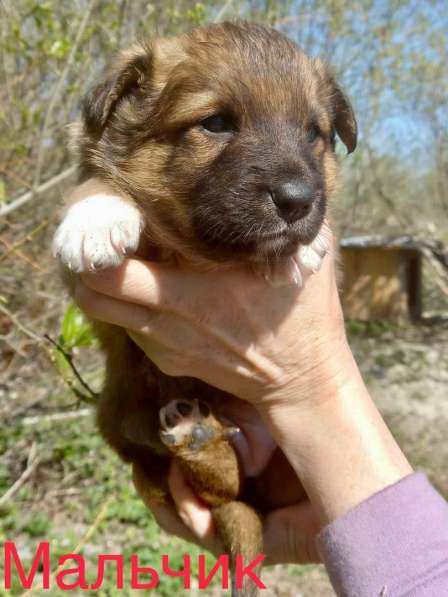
x: 337, y: 443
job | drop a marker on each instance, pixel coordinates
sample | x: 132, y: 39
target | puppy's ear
x: 129, y: 72
x: 344, y: 119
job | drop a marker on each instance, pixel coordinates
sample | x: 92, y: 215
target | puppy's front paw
x: 296, y: 269
x: 309, y: 257
x: 97, y: 232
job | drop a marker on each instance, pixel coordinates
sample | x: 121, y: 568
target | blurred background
x: 58, y: 482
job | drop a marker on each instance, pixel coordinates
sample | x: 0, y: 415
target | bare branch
x: 18, y: 253
x: 43, y: 188
x: 69, y: 359
x: 25, y: 330
x: 442, y: 274
x: 91, y: 396
x: 27, y: 238
x: 33, y: 462
x: 221, y: 14
x: 57, y: 417
x: 57, y: 91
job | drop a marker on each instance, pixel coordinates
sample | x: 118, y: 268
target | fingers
x: 105, y: 308
x: 193, y: 513
x: 159, y: 330
x: 167, y: 288
x: 149, y: 284
x: 168, y: 519
x: 189, y: 519
x: 290, y: 533
x: 173, y: 289
x: 171, y: 342
x: 134, y: 281
x: 165, y: 515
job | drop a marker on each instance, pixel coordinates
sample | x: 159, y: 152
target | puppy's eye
x: 313, y: 133
x: 218, y: 124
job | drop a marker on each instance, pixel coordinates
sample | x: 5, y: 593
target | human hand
x: 289, y: 533
x: 231, y: 329
x: 283, y: 349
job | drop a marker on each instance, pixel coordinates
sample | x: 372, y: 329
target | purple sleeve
x: 395, y: 544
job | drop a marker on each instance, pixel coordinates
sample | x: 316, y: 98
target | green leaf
x: 76, y: 330
x: 60, y: 48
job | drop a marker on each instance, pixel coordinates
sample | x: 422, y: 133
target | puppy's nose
x: 293, y: 199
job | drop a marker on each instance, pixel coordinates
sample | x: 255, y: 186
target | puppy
x: 215, y: 148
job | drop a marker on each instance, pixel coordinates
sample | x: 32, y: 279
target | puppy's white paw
x: 296, y: 269
x: 309, y: 257
x: 97, y: 232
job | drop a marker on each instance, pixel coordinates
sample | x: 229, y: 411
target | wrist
x: 337, y: 442
x: 333, y: 367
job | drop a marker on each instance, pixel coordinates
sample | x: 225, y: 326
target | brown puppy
x: 214, y: 147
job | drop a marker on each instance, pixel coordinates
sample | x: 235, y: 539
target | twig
x: 22, y: 409
x: 69, y: 359
x: 20, y: 325
x: 20, y: 255
x: 46, y: 186
x: 13, y: 248
x: 56, y: 93
x: 64, y: 492
x: 33, y: 462
x: 441, y: 279
x: 7, y: 59
x: 32, y: 454
x: 91, y: 396
x: 223, y: 11
x: 14, y: 176
x: 57, y: 417
x: 400, y: 216
x: 96, y: 523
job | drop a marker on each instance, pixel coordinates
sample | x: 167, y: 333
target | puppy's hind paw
x: 184, y: 424
x: 190, y: 425
x: 97, y: 233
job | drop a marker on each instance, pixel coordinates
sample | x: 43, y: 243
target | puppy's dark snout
x: 293, y: 199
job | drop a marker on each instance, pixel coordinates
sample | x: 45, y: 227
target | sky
x: 402, y: 42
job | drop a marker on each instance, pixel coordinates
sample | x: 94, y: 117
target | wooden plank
x: 375, y: 284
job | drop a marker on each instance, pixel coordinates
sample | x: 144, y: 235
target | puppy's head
x: 224, y: 137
